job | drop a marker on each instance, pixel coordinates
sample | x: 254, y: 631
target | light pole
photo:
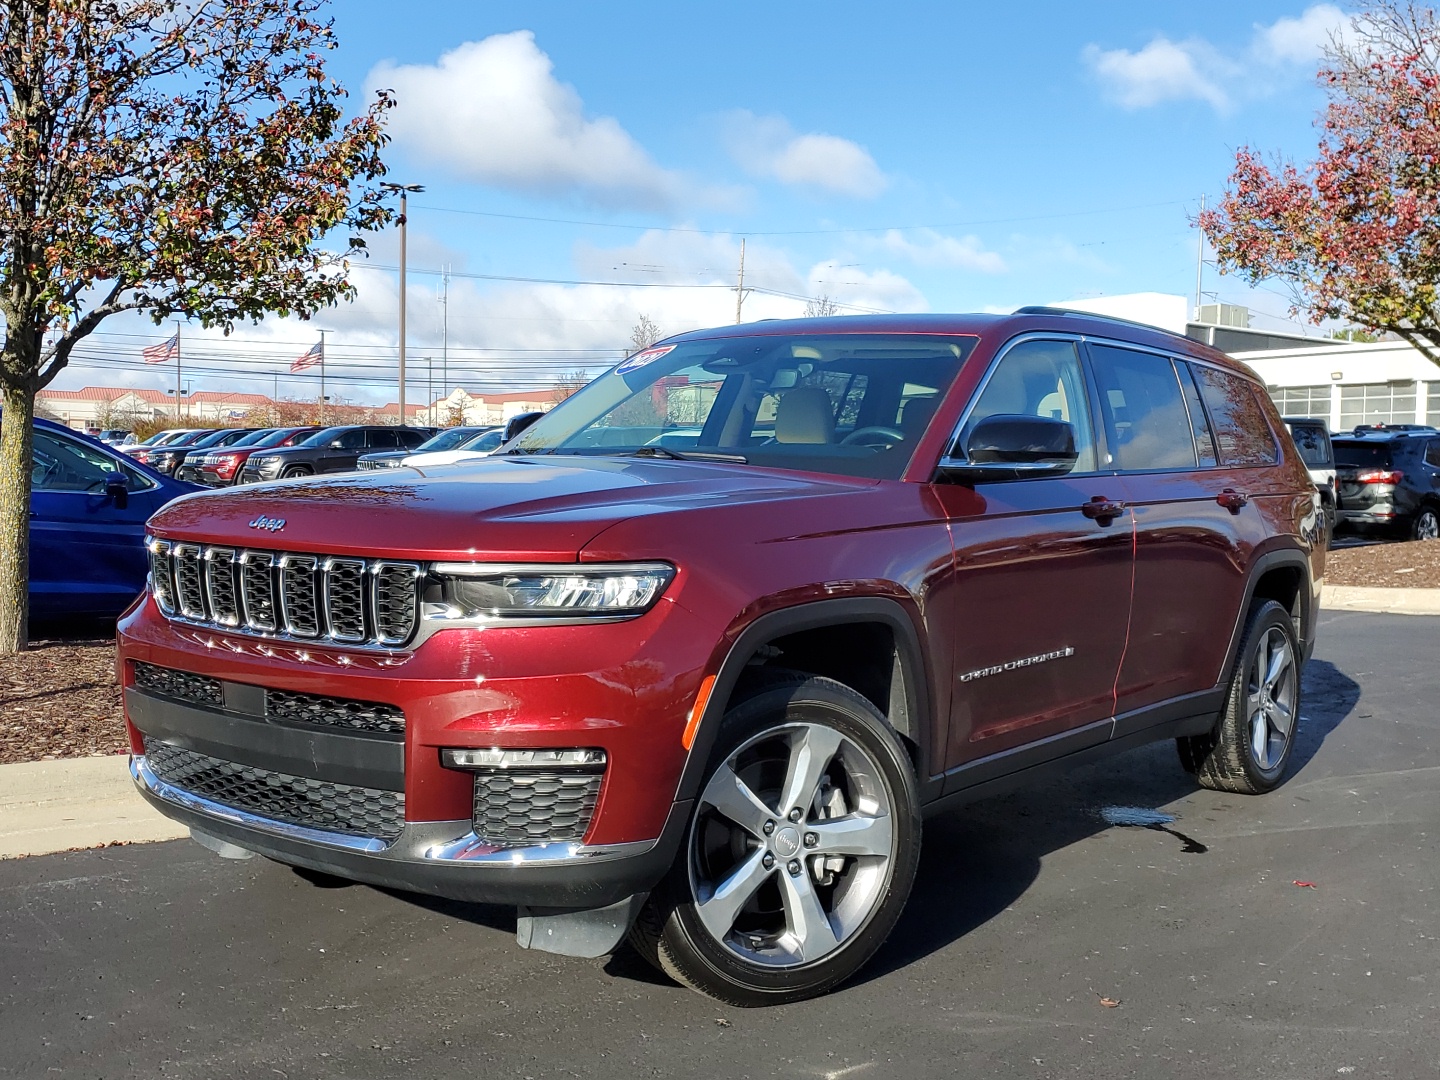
x: 403, y: 190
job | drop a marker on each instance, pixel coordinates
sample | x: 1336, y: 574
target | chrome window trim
x: 949, y: 461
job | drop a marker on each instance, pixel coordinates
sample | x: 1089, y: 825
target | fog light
x: 495, y: 758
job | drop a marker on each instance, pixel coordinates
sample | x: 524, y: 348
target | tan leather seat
x: 804, y: 415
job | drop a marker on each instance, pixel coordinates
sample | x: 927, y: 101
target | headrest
x: 804, y: 415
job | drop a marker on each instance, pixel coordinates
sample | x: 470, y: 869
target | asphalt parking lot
x: 1030, y: 915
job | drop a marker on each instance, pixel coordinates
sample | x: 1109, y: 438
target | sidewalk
x: 1380, y: 601
x: 49, y: 806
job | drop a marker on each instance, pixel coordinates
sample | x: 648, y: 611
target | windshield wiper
x: 690, y: 455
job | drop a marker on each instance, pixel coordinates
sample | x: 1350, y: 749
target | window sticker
x: 643, y: 357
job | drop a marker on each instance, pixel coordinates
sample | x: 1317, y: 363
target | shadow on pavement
x: 979, y: 859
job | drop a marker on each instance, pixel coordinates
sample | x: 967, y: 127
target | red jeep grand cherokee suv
x: 692, y: 656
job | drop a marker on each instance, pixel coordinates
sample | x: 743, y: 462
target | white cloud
x: 1299, y: 39
x: 1194, y: 69
x: 492, y: 111
x: 767, y: 146
x: 931, y: 248
x: 1162, y: 71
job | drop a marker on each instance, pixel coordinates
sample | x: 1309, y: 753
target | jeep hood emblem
x: 268, y: 524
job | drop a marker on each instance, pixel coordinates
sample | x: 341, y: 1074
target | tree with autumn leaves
x: 1356, y: 233
x: 183, y: 158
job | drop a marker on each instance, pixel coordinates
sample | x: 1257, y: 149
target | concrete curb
x: 50, y: 806
x: 1381, y: 601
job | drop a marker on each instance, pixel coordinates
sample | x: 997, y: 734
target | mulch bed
x: 1412, y: 565
x: 59, y: 699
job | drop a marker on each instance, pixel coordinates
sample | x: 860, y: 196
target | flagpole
x: 177, y: 374
x: 322, y: 377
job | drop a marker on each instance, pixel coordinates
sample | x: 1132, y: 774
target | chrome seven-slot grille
x: 344, y: 600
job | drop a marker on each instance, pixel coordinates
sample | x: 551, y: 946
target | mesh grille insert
x: 523, y: 807
x: 334, y: 712
x: 178, y: 684
x: 296, y: 800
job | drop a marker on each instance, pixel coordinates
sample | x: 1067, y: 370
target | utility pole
x: 430, y: 390
x: 740, y: 291
x: 1199, y: 263
x: 404, y: 190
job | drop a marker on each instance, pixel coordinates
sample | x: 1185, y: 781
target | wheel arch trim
x: 814, y: 616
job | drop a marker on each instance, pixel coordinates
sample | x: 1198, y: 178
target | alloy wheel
x: 1427, y: 525
x: 790, y: 848
x: 1272, y: 690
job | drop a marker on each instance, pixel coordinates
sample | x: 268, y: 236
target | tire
x: 1262, y: 706
x: 297, y: 470
x: 1426, y: 524
x: 750, y: 895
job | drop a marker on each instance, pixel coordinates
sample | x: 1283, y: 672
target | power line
x: 804, y: 232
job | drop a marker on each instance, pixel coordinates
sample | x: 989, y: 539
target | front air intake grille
x: 295, y: 800
x: 334, y: 599
x: 178, y: 684
x: 333, y: 712
x: 521, y: 807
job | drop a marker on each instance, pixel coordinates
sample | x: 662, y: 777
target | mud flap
x: 590, y: 933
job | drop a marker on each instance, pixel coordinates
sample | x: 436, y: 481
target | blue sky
x: 920, y: 156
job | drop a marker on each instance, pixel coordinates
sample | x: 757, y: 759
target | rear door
x: 1187, y: 441
x: 1042, y: 576
x: 87, y: 552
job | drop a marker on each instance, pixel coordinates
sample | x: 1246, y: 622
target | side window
x: 1040, y: 378
x: 1242, y: 431
x: 1146, y: 424
x: 1432, y: 453
x: 410, y: 438
x: 1199, y: 424
x: 352, y: 440
x: 60, y: 464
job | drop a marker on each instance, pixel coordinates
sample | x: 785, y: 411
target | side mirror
x: 518, y: 423
x: 336, y: 443
x: 1012, y: 446
x: 117, y: 488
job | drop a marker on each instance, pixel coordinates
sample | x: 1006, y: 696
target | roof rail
x: 1042, y: 309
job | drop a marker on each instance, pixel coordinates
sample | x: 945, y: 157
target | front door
x: 87, y: 553
x: 1042, y: 573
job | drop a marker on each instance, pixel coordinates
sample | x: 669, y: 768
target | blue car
x: 88, y: 508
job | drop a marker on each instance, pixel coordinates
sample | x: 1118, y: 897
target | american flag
x: 311, y: 358
x: 158, y: 354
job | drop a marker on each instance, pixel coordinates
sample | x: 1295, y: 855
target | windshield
x: 1313, y: 444
x: 323, y: 437
x: 210, y: 438
x: 448, y: 439
x: 1357, y: 455
x: 852, y: 404
x: 255, y: 438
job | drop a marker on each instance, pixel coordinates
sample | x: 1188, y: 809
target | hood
x: 444, y: 457
x: 511, y: 508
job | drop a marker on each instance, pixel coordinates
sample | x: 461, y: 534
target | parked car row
x: 90, y: 499
x: 1381, y: 479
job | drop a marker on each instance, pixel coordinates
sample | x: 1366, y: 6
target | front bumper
x: 442, y: 858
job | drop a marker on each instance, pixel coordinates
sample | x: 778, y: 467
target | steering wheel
x: 874, y: 436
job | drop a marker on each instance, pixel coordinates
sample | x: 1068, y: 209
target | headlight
x: 265, y: 462
x: 481, y: 593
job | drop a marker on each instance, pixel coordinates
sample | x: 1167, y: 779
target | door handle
x: 1102, y: 509
x: 1232, y: 500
